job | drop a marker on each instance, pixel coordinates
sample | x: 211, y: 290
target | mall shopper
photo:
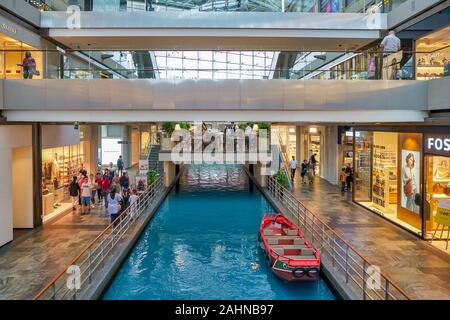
x: 343, y: 180
x: 120, y: 165
x: 124, y: 181
x: 86, y: 192
x: 392, y: 56
x: 106, y: 187
x: 81, y: 178
x: 74, y: 191
x: 349, y: 178
x: 94, y: 187
x: 293, y: 166
x: 313, y: 162
x: 114, y: 206
x: 115, y: 182
x: 311, y: 173
x: 98, y: 181
x: 133, y: 199
x: 390, y: 44
x: 304, y: 170
x: 29, y: 66
x: 112, y: 171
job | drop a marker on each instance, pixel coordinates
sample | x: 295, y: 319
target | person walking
x: 293, y: 165
x: 343, y: 180
x: 114, y: 205
x: 124, y: 181
x: 86, y: 193
x: 120, y: 165
x: 313, y: 162
x: 304, y: 170
x: 106, y: 187
x: 133, y: 199
x: 112, y: 171
x: 115, y: 182
x: 74, y: 191
x: 28, y: 65
x: 94, y: 187
x: 311, y: 173
x: 349, y: 176
x: 99, y: 181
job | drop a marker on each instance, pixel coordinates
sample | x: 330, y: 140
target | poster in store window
x: 410, y: 188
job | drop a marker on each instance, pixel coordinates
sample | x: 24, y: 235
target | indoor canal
x: 202, y: 244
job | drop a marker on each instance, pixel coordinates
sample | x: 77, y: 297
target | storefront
x: 437, y: 185
x: 403, y: 176
x: 433, y: 57
x: 64, y: 151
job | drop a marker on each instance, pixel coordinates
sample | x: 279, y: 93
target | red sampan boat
x: 288, y: 253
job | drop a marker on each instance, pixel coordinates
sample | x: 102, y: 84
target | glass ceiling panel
x: 214, y: 64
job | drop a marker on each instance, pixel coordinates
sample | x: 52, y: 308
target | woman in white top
x: 114, y: 205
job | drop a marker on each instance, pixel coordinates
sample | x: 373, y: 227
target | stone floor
x: 36, y: 256
x: 419, y: 268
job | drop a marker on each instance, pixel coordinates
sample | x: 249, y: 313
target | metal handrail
x: 343, y: 256
x: 98, y: 249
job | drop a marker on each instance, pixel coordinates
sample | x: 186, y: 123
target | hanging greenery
x: 185, y: 125
x: 168, y: 127
x: 282, y: 179
x: 151, y: 177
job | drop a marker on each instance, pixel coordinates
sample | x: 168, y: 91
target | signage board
x: 443, y: 213
x: 438, y: 144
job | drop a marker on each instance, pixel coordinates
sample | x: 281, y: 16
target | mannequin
x: 55, y: 168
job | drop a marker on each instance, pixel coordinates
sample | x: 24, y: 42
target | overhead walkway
x: 187, y: 100
x: 213, y: 30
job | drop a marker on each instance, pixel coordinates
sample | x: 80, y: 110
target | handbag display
x: 407, y: 188
x: 438, y: 188
x: 447, y: 191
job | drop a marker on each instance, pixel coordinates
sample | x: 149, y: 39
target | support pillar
x: 37, y: 173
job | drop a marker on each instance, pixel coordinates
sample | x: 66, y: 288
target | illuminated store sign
x: 437, y: 144
x: 8, y: 28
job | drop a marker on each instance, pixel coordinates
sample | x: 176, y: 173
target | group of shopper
x: 110, y: 185
x: 307, y: 169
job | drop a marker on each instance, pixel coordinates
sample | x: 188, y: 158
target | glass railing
x: 338, y: 6
x: 53, y: 64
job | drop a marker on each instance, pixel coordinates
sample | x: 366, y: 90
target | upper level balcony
x: 309, y: 6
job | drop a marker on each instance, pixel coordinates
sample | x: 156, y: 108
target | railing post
x: 90, y: 266
x: 334, y: 250
x: 364, y: 280
x: 54, y: 291
x: 346, y: 264
x: 386, y: 290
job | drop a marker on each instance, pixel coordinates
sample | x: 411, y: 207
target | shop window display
x: 437, y: 175
x: 59, y: 165
x: 388, y: 176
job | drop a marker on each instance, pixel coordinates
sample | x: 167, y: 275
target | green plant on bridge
x: 151, y: 177
x: 282, y: 179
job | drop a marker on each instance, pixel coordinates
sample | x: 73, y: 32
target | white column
x: 11, y: 138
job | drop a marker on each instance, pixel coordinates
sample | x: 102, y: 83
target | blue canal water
x: 203, y: 244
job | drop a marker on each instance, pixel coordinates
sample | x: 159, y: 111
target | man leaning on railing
x: 392, y: 55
